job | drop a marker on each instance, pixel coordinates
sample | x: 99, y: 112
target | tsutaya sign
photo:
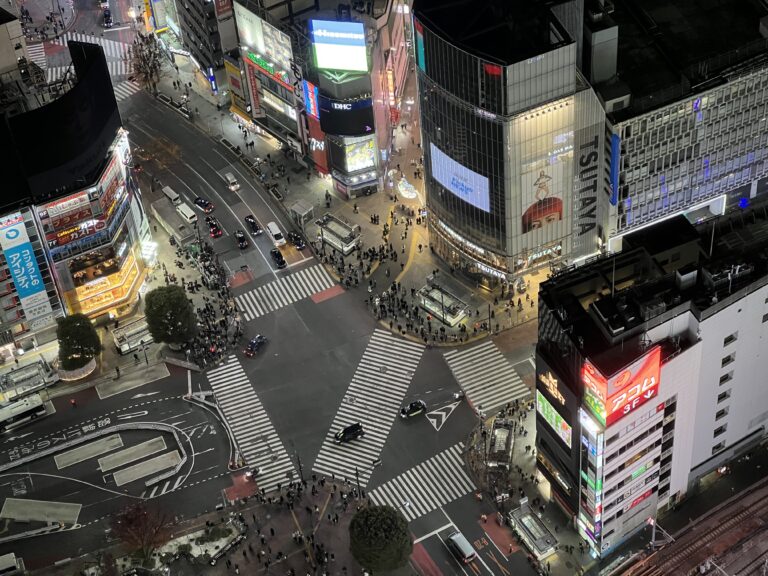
x: 585, y: 187
x: 610, y: 399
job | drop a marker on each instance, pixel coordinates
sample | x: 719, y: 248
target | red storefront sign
x: 317, y: 148
x: 634, y: 386
x: 70, y: 218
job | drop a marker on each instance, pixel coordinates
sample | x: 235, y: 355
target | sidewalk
x: 44, y: 19
x: 489, y: 312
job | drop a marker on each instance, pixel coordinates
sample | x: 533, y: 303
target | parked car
x: 242, y: 239
x: 413, y: 409
x: 278, y: 259
x: 204, y: 205
x: 253, y: 225
x: 107, y: 18
x: 351, y: 432
x: 296, y: 240
x: 254, y: 344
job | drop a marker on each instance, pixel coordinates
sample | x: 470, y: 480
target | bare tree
x: 142, y: 529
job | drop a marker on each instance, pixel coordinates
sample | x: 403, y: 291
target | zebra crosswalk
x: 427, y: 486
x: 255, y: 436
x: 373, y: 398
x: 285, y: 290
x: 487, y: 378
x: 116, y: 68
x: 125, y: 90
x: 112, y: 48
x: 162, y: 488
x: 37, y: 55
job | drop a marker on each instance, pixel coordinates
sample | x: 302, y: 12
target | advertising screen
x: 542, y: 197
x: 360, y: 155
x: 553, y: 418
x: 339, y: 45
x: 268, y: 47
x: 594, y: 391
x: 463, y: 182
x: 346, y: 118
x: 310, y: 99
x: 20, y: 257
x: 634, y: 386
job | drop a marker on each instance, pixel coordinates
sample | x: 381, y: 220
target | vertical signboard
x: 420, y: 59
x: 310, y: 99
x: 20, y: 257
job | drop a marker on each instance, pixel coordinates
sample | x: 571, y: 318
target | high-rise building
x: 553, y: 129
x: 73, y: 232
x: 649, y: 370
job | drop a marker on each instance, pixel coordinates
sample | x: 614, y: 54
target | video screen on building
x: 339, y: 45
x: 360, y: 155
x: 459, y: 180
x: 346, y: 118
x: 553, y: 418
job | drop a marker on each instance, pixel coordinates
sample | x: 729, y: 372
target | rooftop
x: 497, y: 30
x: 607, y: 306
x: 668, y: 46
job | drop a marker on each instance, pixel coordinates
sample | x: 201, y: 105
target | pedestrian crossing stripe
x: 160, y: 489
x: 37, y: 55
x: 112, y: 48
x: 427, y: 486
x: 121, y: 68
x: 374, y: 398
x: 253, y: 432
x: 283, y: 291
x: 487, y: 378
x: 126, y: 89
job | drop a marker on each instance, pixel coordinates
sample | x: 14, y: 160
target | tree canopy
x: 170, y: 316
x: 142, y: 529
x: 379, y: 538
x: 78, y: 341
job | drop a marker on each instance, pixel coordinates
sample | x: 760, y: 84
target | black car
x: 254, y: 344
x: 253, y: 225
x: 413, y: 409
x: 204, y: 205
x: 351, y: 432
x: 214, y: 227
x: 242, y: 239
x: 277, y: 257
x: 107, y: 18
x: 296, y: 240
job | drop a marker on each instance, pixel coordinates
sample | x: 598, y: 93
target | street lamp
x: 144, y: 349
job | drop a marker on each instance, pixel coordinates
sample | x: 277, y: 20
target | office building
x: 552, y: 130
x: 649, y: 370
x: 73, y: 231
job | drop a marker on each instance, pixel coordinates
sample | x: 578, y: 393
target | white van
x: 169, y: 193
x: 277, y: 236
x: 232, y: 182
x: 461, y: 548
x: 186, y: 213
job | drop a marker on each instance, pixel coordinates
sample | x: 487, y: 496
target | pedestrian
x: 272, y: 531
x: 484, y: 518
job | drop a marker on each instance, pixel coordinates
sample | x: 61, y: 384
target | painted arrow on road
x: 144, y: 395
x: 438, y: 417
x: 132, y: 415
x: 19, y: 437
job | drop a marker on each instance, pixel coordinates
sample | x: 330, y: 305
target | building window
x: 722, y: 413
x: 727, y: 360
x: 727, y: 377
x: 717, y: 447
x: 765, y: 318
x: 724, y: 396
x: 730, y: 339
x: 720, y: 430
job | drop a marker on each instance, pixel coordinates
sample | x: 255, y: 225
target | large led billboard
x: 459, y: 180
x: 266, y: 46
x: 339, y: 45
x: 553, y: 418
x: 346, y: 118
x: 610, y: 399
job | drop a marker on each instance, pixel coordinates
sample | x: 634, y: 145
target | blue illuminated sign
x: 615, y: 158
x: 310, y: 99
x: 339, y: 45
x: 23, y: 266
x: 459, y: 180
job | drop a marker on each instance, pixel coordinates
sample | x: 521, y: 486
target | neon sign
x: 550, y: 383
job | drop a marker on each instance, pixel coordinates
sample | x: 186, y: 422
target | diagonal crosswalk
x: 254, y: 433
x: 112, y: 48
x: 285, y: 290
x: 373, y: 398
x: 427, y: 486
x: 487, y: 378
x: 37, y: 54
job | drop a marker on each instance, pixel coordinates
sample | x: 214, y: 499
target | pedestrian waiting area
x: 441, y: 304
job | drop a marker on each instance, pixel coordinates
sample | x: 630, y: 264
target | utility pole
x: 357, y: 478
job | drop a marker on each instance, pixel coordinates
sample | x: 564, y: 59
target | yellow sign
x: 550, y: 383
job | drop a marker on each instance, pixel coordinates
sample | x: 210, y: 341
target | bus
x: 21, y: 412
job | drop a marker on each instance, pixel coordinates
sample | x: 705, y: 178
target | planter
x: 78, y: 374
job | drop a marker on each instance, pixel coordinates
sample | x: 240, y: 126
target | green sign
x: 553, y: 418
x: 261, y: 63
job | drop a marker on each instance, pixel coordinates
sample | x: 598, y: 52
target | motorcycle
x: 460, y: 395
